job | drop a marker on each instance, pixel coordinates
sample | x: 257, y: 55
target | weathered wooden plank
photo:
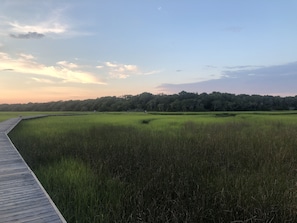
x: 20, y: 194
x: 8, y: 125
x: 23, y: 204
x: 31, y: 213
x: 16, y: 183
x: 22, y: 198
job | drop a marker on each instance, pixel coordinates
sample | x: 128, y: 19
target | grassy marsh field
x: 7, y: 115
x: 137, y: 167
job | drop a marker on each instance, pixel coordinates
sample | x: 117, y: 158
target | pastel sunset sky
x: 54, y: 50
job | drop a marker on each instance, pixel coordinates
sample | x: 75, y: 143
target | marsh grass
x: 7, y: 115
x: 113, y: 168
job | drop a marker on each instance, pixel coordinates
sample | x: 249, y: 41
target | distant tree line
x: 181, y: 102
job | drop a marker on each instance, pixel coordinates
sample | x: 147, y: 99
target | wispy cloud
x: 53, y: 23
x: 26, y: 56
x: 43, y: 27
x: 29, y: 35
x: 271, y: 80
x: 123, y: 71
x: 62, y: 71
x: 267, y: 71
x: 68, y: 65
x: 42, y: 80
x: 7, y: 70
x: 36, y: 31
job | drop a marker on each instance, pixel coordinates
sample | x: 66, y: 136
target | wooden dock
x: 22, y: 197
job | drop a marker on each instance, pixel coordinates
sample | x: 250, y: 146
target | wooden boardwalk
x: 22, y: 198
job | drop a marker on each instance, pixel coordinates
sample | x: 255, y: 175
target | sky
x: 53, y: 50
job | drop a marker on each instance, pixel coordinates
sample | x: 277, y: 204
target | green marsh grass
x: 133, y: 167
x: 8, y: 115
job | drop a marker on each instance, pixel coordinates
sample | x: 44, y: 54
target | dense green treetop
x: 181, y: 102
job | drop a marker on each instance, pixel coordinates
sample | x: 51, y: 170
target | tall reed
x: 238, y: 170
